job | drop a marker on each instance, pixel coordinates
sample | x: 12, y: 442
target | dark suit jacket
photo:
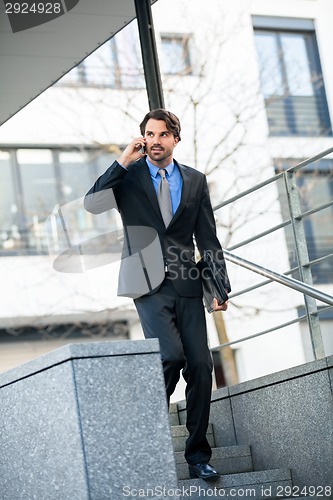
x: 138, y: 206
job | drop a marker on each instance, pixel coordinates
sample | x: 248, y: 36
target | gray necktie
x: 164, y: 198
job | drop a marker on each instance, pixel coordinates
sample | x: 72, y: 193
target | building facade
x: 252, y: 82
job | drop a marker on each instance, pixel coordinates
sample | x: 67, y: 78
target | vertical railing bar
x: 303, y: 262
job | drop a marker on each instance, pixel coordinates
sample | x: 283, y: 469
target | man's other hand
x: 222, y: 307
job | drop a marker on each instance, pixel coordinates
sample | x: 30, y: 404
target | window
x: 36, y: 182
x: 116, y: 64
x: 99, y: 67
x: 9, y: 216
x: 315, y: 187
x: 291, y: 79
x: 175, y: 54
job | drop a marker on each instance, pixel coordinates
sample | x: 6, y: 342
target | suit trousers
x: 180, y: 325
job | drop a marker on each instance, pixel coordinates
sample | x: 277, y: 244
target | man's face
x: 160, y: 143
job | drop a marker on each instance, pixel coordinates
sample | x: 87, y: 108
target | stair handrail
x: 280, y: 278
x: 304, y: 263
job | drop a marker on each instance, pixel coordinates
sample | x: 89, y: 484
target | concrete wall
x: 85, y: 422
x: 286, y: 418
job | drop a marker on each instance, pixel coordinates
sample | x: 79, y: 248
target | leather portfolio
x: 212, y: 282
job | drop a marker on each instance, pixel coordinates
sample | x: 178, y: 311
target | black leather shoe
x: 203, y: 471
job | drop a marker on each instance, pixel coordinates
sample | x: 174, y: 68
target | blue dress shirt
x: 174, y: 178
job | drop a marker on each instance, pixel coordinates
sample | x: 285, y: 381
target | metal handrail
x: 297, y: 216
x: 310, y: 160
x: 269, y: 330
x: 261, y: 235
x: 259, y: 334
x: 280, y: 278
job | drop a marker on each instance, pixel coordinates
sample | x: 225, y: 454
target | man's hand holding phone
x: 133, y: 152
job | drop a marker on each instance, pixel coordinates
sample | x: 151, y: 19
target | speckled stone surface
x: 227, y: 460
x: 286, y: 418
x: 222, y: 419
x: 86, y: 422
x: 275, y: 413
x: 329, y: 360
x: 41, y: 455
x: 173, y: 414
x: 254, y: 485
x: 220, y: 416
x: 180, y: 434
x: 74, y: 351
x: 275, y: 378
x: 125, y: 426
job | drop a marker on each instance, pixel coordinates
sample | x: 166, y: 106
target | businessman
x: 157, y: 194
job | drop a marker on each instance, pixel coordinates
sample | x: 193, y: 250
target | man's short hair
x: 171, y: 121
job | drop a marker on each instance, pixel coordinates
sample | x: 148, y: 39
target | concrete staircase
x: 238, y: 479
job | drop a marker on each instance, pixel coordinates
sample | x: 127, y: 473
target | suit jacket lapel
x: 185, y: 173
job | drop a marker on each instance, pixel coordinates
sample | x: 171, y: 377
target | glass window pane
x: 103, y: 161
x: 39, y: 191
x: 175, y: 57
x: 269, y: 64
x: 307, y: 120
x: 297, y: 65
x: 10, y: 237
x: 129, y: 57
x: 99, y: 67
x: 316, y: 188
x: 78, y: 171
x: 292, y: 84
x: 75, y: 174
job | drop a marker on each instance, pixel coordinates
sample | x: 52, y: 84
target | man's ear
x: 176, y: 140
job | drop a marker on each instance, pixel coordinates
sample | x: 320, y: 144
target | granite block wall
x: 287, y: 420
x: 87, y: 421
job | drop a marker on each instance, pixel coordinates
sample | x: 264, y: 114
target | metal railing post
x: 303, y: 262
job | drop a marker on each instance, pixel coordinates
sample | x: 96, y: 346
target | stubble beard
x: 159, y: 156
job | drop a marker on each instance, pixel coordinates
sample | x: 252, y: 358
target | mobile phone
x: 143, y: 150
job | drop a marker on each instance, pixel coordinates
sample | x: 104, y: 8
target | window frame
x: 22, y: 223
x: 185, y: 40
x: 305, y: 28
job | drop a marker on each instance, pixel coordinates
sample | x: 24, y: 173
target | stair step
x: 255, y: 485
x: 227, y: 460
x: 173, y: 414
x: 180, y: 434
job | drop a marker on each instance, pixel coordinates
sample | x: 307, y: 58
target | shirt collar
x: 154, y: 170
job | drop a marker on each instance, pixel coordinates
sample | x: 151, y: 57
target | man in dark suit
x: 165, y: 205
